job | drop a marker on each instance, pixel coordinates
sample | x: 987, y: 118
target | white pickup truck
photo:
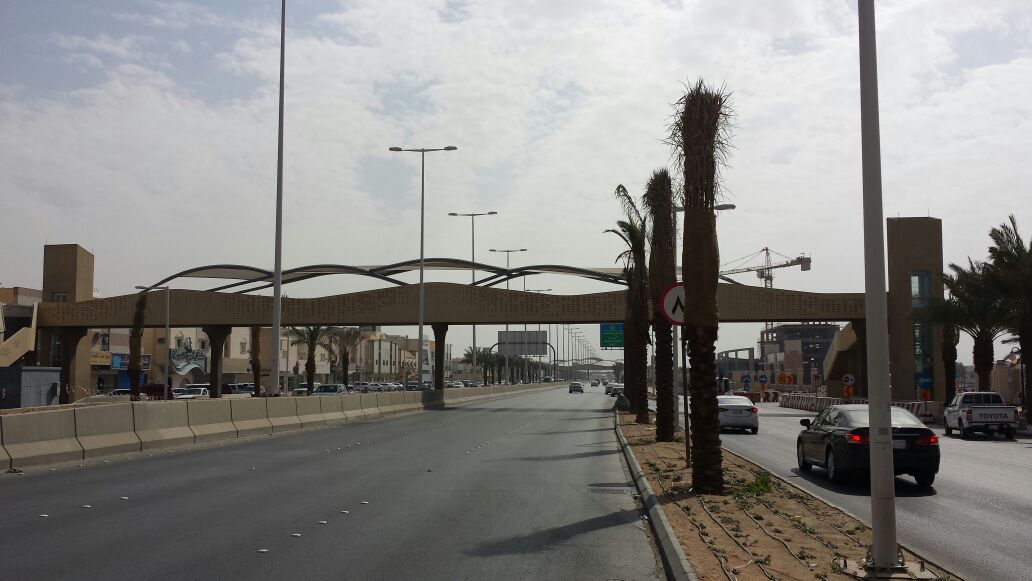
x: 980, y: 411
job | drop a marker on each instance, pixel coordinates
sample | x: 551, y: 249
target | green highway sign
x: 611, y: 336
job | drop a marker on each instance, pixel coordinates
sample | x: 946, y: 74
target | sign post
x: 746, y: 380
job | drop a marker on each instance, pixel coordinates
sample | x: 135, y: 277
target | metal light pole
x: 422, y: 238
x: 473, y: 258
x: 277, y: 275
x: 168, y: 333
x: 508, y: 253
x: 884, y: 557
x: 538, y: 290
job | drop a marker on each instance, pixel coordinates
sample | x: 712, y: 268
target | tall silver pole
x: 168, y: 338
x: 473, y: 279
x: 422, y: 205
x: 526, y: 358
x: 883, y: 507
x: 277, y: 277
x: 508, y: 375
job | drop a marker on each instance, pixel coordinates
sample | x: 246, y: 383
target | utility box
x: 23, y: 387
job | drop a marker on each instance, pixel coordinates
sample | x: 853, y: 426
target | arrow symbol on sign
x: 678, y: 305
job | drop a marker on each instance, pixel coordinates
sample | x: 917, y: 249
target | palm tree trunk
x: 1026, y: 377
x: 707, y: 473
x: 664, y: 380
x: 949, y: 361
x: 310, y: 369
x: 345, y: 357
x: 982, y: 355
x: 135, y: 346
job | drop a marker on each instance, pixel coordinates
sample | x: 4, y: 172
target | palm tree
x: 310, y: 338
x: 1012, y: 275
x: 977, y: 309
x: 700, y: 135
x: 135, y: 347
x: 342, y: 342
x: 256, y: 359
x: 633, y: 230
x: 659, y: 201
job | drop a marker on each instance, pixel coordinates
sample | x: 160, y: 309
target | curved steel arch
x: 505, y: 275
x: 213, y: 267
x: 435, y: 263
x: 306, y: 272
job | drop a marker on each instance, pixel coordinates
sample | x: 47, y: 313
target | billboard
x: 611, y: 336
x: 523, y: 343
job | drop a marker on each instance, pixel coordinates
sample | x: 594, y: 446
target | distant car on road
x: 576, y: 387
x: 838, y: 440
x: 194, y: 391
x: 980, y: 412
x: 330, y: 389
x: 736, y: 411
x: 594, y: 383
x: 609, y: 388
x: 615, y: 389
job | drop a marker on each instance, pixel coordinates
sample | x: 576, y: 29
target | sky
x: 146, y: 131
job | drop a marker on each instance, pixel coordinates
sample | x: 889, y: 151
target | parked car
x: 982, y: 411
x: 577, y: 387
x: 195, y: 391
x: 330, y: 389
x: 838, y: 440
x: 736, y: 411
x: 609, y: 388
x: 616, y: 389
x: 594, y: 383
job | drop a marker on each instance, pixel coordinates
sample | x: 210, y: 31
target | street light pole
x: 473, y: 259
x: 422, y: 151
x: 277, y: 275
x: 508, y: 252
x: 538, y: 290
x: 168, y: 334
x: 884, y: 558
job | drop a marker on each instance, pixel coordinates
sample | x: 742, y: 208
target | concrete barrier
x: 283, y: 413
x: 250, y: 416
x: 162, y: 424
x: 352, y: 405
x: 413, y: 400
x: 5, y: 458
x: 35, y: 438
x: 432, y: 400
x: 211, y: 419
x: 106, y: 429
x: 332, y: 409
x: 398, y: 401
x: 309, y: 411
x: 385, y: 404
x: 369, y: 405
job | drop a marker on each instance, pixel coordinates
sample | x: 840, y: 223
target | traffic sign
x: 746, y: 379
x: 763, y: 378
x: 848, y: 379
x: 672, y: 304
x: 611, y: 335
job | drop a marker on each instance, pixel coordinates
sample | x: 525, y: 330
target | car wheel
x: 754, y: 430
x: 949, y: 430
x: 1008, y: 433
x: 832, y: 467
x: 801, y: 458
x: 964, y: 433
x: 925, y: 479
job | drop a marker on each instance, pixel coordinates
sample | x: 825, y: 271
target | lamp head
x: 450, y: 148
x: 491, y: 213
x: 394, y: 148
x: 452, y: 214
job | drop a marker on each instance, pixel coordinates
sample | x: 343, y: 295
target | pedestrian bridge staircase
x: 19, y: 344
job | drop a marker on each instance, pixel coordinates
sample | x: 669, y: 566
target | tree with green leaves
x: 976, y: 308
x: 700, y: 136
x: 342, y: 343
x: 256, y: 359
x: 1012, y: 275
x: 633, y: 230
x: 310, y: 337
x: 659, y: 201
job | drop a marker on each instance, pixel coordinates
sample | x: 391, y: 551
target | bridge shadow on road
x: 553, y: 538
x: 861, y: 485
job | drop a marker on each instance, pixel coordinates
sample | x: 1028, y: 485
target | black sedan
x: 838, y: 440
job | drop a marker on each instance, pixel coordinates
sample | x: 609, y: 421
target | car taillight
x: 928, y: 440
x: 967, y: 414
x: 722, y: 409
x: 853, y: 438
x: 754, y: 410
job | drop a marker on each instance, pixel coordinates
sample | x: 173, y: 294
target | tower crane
x: 765, y: 271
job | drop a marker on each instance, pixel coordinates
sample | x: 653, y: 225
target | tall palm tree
x: 1012, y: 274
x: 700, y: 134
x: 310, y: 338
x: 256, y: 359
x: 659, y: 201
x: 342, y: 342
x: 633, y: 230
x: 977, y: 309
x: 135, y: 346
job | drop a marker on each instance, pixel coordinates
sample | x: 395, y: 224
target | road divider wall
x: 333, y: 409
x: 250, y: 416
x: 309, y: 411
x: 162, y: 423
x: 106, y: 429
x: 283, y: 413
x: 385, y: 403
x: 927, y: 411
x: 352, y: 404
x: 369, y: 405
x: 40, y: 438
x: 5, y: 458
x: 211, y: 419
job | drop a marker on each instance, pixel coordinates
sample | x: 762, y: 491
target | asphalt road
x: 524, y: 487
x: 976, y: 520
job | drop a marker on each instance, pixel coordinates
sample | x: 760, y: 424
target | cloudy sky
x: 146, y: 130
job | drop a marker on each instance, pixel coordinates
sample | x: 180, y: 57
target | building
x: 796, y: 351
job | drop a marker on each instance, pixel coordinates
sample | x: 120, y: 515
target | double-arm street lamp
x: 538, y: 290
x: 422, y: 151
x: 508, y: 252
x: 473, y: 258
x: 168, y: 335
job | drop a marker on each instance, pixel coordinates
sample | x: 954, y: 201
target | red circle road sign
x: 672, y: 304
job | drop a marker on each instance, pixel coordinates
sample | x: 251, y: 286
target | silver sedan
x: 737, y: 411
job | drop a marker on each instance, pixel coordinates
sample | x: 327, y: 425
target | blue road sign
x: 746, y: 379
x: 763, y: 378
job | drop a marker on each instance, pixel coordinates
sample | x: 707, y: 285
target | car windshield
x: 901, y: 418
x: 195, y: 391
x: 326, y: 388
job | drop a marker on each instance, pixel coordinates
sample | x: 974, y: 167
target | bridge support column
x: 75, y: 363
x: 860, y: 328
x: 440, y: 331
x: 217, y: 335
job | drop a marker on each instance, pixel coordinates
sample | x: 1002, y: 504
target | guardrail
x: 60, y: 435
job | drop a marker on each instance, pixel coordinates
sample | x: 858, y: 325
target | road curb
x: 675, y: 563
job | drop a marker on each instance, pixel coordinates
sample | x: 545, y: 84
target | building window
x: 923, y: 358
x: 179, y: 342
x: 60, y: 297
x: 243, y: 347
x: 920, y: 289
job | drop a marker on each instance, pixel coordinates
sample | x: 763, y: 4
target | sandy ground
x: 753, y: 531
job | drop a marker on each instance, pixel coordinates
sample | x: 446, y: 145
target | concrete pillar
x: 75, y: 363
x: 860, y: 328
x: 440, y: 331
x: 217, y: 335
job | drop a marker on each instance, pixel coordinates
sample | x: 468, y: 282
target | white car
x: 194, y: 392
x: 736, y: 411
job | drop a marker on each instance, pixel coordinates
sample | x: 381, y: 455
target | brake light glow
x: 967, y: 413
x: 853, y: 438
x: 928, y: 440
x: 755, y: 410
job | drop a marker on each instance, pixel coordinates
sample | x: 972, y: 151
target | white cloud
x: 551, y: 105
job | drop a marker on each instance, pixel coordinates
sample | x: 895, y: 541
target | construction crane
x: 765, y: 271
